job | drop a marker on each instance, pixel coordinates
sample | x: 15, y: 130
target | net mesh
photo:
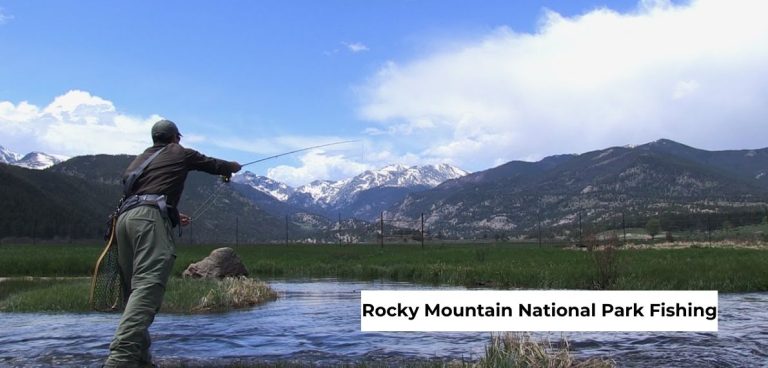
x: 106, y: 285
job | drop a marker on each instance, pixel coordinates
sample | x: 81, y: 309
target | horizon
x: 474, y: 87
x: 381, y: 168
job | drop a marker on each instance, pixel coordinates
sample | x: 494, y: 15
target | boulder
x: 222, y: 262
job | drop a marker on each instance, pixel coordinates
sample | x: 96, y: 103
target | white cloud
x: 695, y: 73
x: 4, y: 18
x: 317, y: 164
x: 17, y: 113
x: 355, y: 47
x: 343, y: 162
x: 74, y: 123
x: 684, y: 88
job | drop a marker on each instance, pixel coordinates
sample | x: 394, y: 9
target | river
x: 319, y: 321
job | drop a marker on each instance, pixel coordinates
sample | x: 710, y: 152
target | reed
x: 507, y: 350
x: 520, y: 350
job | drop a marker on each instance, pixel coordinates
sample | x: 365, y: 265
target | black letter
x: 367, y: 310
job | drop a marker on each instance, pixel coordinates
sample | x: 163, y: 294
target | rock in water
x: 222, y: 262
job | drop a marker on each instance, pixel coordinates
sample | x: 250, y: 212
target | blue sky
x: 475, y: 84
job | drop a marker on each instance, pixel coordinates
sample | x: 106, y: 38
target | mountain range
x: 631, y: 183
x: 558, y: 194
x: 363, y: 196
x: 249, y: 209
x: 32, y: 160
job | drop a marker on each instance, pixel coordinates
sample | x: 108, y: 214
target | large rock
x: 223, y: 262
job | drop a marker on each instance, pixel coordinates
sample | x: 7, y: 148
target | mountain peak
x: 33, y: 160
x: 665, y: 143
x: 327, y: 193
x: 392, y: 168
x: 330, y: 194
x: 266, y: 185
x: 7, y: 156
x: 37, y: 161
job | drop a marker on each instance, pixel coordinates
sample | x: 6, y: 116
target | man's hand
x: 235, y: 166
x: 184, y: 219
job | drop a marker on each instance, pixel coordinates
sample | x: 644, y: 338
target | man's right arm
x: 198, y: 161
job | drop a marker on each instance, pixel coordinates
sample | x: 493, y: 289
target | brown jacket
x: 168, y: 171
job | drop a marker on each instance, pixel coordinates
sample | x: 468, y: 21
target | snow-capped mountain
x: 334, y: 194
x: 7, y: 156
x: 264, y: 184
x: 39, y: 160
x: 32, y: 160
x: 323, y: 195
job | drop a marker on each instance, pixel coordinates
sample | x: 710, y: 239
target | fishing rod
x: 298, y: 150
x: 226, y: 178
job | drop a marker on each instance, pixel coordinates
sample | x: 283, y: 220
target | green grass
x: 487, y: 265
x: 44, y: 295
x: 48, y: 260
x: 182, y: 296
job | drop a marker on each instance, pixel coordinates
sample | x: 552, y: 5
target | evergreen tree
x: 653, y: 226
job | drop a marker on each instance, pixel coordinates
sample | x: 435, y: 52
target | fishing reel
x: 225, y: 178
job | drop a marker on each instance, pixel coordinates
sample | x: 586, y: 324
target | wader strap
x: 155, y: 200
x: 134, y: 175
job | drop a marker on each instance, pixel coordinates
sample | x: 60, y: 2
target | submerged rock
x: 222, y: 262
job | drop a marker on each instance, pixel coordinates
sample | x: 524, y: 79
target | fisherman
x: 146, y: 245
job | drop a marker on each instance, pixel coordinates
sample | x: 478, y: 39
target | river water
x: 318, y: 321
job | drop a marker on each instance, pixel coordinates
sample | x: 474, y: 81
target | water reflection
x: 319, y: 321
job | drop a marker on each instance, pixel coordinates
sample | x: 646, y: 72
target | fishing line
x: 298, y: 150
x: 208, y: 203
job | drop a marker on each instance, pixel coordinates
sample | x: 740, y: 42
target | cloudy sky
x: 475, y: 84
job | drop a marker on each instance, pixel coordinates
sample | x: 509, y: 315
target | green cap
x: 165, y: 129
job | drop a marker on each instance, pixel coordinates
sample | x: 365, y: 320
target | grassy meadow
x: 472, y: 265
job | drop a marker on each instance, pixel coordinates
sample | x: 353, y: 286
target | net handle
x: 91, y: 300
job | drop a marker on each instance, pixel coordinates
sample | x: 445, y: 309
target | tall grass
x: 499, y: 266
x: 508, y: 350
x: 182, y: 295
x: 606, y: 259
x: 519, y: 350
x: 203, y: 296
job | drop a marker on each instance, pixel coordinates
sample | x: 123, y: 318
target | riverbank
x: 185, y: 296
x: 471, y: 265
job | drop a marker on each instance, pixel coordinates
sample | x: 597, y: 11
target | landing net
x: 106, y: 286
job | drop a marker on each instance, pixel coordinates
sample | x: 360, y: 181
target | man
x: 144, y: 233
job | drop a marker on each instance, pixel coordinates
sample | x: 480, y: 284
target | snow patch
x: 604, y: 154
x: 276, y: 189
x: 496, y: 223
x: 588, y: 189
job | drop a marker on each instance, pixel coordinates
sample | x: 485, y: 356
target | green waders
x: 146, y: 251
